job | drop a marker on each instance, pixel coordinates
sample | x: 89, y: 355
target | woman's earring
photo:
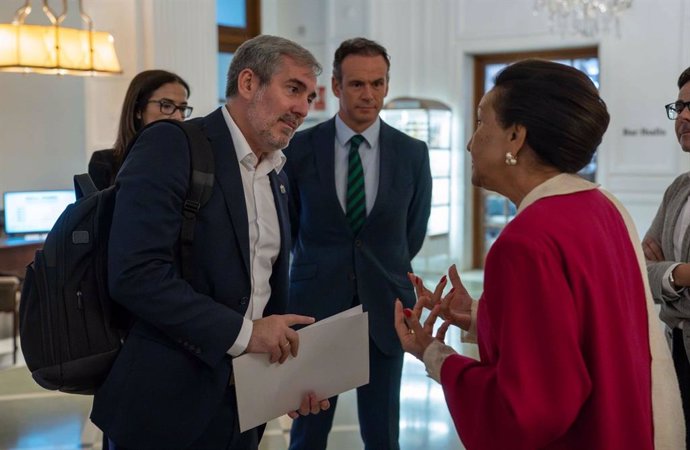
x: 510, y: 159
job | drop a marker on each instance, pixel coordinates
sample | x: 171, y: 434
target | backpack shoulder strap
x: 201, y: 180
x: 84, y: 185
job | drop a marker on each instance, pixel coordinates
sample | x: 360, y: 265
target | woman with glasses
x: 668, y: 251
x: 571, y: 353
x: 152, y: 95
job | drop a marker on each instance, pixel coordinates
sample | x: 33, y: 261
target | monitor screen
x: 31, y: 212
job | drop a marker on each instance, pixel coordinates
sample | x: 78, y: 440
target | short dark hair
x: 358, y: 46
x: 558, y: 105
x: 138, y: 94
x: 684, y: 78
x: 263, y: 55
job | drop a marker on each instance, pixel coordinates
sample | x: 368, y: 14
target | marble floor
x: 32, y: 418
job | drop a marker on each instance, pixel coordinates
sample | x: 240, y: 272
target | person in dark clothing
x: 172, y: 384
x: 152, y: 95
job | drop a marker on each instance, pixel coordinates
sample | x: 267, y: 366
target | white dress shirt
x: 264, y: 229
x: 369, y: 154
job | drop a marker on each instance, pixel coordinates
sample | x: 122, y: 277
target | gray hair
x: 263, y: 55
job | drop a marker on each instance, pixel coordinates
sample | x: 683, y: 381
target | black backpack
x: 70, y: 328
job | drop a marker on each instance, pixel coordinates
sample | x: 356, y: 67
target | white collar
x: 245, y: 155
x: 564, y: 183
x: 343, y: 133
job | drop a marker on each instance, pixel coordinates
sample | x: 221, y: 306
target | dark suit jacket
x: 173, y: 370
x: 330, y: 264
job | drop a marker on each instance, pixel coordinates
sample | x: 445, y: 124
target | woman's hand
x: 455, y: 307
x: 429, y: 299
x: 414, y: 337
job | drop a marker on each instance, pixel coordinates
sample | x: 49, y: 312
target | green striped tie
x: 356, y: 198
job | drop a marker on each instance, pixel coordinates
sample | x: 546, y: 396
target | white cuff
x: 666, y: 287
x: 434, y: 356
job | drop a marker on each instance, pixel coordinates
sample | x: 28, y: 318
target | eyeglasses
x: 673, y: 110
x: 168, y: 108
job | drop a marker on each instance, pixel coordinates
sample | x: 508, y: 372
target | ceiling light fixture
x: 54, y: 49
x: 583, y: 17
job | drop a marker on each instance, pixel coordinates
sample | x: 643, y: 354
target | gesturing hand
x: 424, y: 295
x: 273, y: 335
x: 454, y: 307
x: 414, y: 337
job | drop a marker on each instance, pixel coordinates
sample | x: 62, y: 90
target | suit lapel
x: 324, y: 151
x: 387, y: 165
x: 229, y: 179
x: 676, y: 207
x: 278, y: 186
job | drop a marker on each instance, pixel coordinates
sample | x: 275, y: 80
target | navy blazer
x: 173, y: 369
x: 330, y: 264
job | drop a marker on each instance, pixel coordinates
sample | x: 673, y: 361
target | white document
x: 333, y: 358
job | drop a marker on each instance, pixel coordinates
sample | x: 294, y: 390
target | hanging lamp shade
x: 53, y: 49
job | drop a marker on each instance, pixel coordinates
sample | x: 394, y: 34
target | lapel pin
x: 282, y: 189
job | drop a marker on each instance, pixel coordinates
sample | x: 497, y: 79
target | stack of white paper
x: 333, y: 358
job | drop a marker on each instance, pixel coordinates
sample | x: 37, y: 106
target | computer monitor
x: 34, y: 212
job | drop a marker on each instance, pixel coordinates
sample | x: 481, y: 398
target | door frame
x: 480, y: 63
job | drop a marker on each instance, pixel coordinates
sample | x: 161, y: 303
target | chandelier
x: 54, y: 49
x: 583, y: 17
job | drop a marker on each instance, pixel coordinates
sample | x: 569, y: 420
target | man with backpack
x: 171, y: 385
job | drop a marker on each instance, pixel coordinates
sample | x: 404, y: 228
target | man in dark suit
x: 171, y: 385
x: 360, y: 196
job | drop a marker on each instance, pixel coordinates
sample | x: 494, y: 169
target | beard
x: 264, y: 123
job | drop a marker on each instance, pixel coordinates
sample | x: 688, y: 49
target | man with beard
x: 360, y: 196
x: 668, y: 253
x: 171, y: 385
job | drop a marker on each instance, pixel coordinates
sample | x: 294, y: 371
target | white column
x: 176, y: 35
x: 182, y: 36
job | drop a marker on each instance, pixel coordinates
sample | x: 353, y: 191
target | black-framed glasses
x: 168, y: 108
x: 674, y: 109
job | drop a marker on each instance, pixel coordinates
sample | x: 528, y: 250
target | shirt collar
x: 245, y: 155
x: 343, y: 133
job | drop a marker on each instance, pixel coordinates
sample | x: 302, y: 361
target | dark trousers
x: 222, y: 433
x: 680, y: 361
x: 378, y: 407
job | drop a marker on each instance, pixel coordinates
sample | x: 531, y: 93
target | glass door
x: 429, y: 121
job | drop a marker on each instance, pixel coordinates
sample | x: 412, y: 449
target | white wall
x: 41, y: 124
x: 175, y: 35
x: 415, y: 36
x: 432, y: 43
x: 639, y: 69
x: 51, y: 124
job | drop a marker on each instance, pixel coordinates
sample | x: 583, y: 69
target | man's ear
x: 246, y: 83
x: 335, y: 87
